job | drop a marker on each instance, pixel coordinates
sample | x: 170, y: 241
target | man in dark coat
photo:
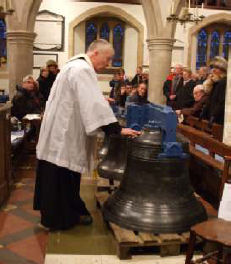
x: 138, y: 77
x: 53, y: 71
x: 202, y: 75
x: 168, y: 88
x: 27, y: 100
x: 215, y: 108
x: 44, y: 84
x: 184, y: 93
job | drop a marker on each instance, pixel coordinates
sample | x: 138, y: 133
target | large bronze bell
x: 113, y: 164
x: 155, y: 194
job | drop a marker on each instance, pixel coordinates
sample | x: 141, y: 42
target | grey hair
x: 99, y: 44
x: 28, y: 77
x: 200, y: 87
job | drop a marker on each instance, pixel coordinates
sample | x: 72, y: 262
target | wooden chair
x: 215, y: 230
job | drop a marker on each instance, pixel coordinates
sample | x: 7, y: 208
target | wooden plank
x: 169, y: 250
x: 205, y: 140
x: 169, y: 238
x: 185, y: 237
x: 148, y: 238
x: 101, y: 197
x: 123, y: 235
x: 206, y: 158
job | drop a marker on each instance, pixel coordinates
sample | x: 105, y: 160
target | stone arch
x: 111, y: 11
x: 223, y: 17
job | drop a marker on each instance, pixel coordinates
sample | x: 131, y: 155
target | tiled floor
x: 21, y: 240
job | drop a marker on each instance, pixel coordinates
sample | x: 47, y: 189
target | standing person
x: 184, y: 93
x: 44, y: 85
x: 214, y: 109
x: 176, y: 83
x: 203, y: 73
x: 168, y: 87
x: 138, y: 77
x: 75, y: 110
x: 53, y: 69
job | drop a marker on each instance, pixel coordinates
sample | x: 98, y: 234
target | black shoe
x: 85, y: 220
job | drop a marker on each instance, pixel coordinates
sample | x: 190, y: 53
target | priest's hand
x: 130, y: 132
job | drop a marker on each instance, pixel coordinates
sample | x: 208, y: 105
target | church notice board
x: 49, y: 28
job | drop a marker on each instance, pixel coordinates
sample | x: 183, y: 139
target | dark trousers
x: 57, y: 196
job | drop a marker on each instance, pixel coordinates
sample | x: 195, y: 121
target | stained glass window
x: 215, y: 43
x: 2, y: 41
x: 201, y: 49
x: 91, y: 33
x: 105, y: 31
x: 118, y: 35
x: 226, y: 44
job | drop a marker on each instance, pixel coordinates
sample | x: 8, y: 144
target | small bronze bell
x: 155, y: 194
x: 104, y: 149
x: 113, y: 164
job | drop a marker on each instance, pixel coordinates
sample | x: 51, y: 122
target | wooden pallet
x: 106, y: 185
x: 128, y: 241
x: 166, y: 244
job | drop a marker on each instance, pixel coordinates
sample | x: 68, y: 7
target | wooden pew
x: 215, y: 130
x: 6, y: 181
x: 207, y: 173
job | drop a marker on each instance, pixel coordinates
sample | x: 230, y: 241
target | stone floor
x: 23, y: 242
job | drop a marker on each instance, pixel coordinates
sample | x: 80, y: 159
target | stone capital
x: 24, y: 37
x: 160, y: 44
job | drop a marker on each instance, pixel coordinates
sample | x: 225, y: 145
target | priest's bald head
x: 100, y: 53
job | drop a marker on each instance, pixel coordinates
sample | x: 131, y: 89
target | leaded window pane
x: 105, y: 31
x: 91, y: 33
x: 2, y: 40
x: 118, y: 35
x: 201, y: 57
x: 226, y: 44
x: 215, y: 43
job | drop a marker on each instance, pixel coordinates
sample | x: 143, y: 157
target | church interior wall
x: 182, y: 48
x: 71, y: 10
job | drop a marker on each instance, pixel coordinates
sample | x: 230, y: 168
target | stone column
x: 227, y: 123
x: 20, y: 57
x: 160, y: 57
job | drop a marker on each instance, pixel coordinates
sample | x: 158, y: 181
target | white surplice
x: 74, y: 110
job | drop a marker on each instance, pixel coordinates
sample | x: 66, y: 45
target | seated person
x: 200, y: 98
x: 184, y: 92
x: 27, y: 99
x: 141, y: 94
x: 128, y: 88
